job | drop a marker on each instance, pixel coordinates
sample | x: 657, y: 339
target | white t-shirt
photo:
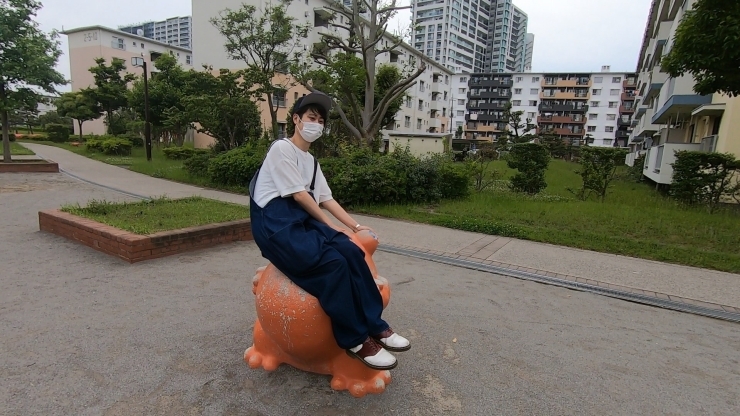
x: 287, y: 170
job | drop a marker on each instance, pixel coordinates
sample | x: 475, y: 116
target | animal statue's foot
x: 359, y: 387
x: 263, y: 353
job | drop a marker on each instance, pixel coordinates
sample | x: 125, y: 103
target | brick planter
x: 27, y: 166
x: 135, y: 247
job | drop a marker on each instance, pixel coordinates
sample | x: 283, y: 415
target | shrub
x: 236, y: 167
x: 197, y: 164
x: 57, y: 133
x: 705, y: 178
x: 454, y: 180
x: 11, y: 137
x: 94, y: 144
x: 531, y: 160
x: 634, y: 172
x: 116, y: 146
x: 135, y: 139
x: 598, y: 169
x: 178, y: 153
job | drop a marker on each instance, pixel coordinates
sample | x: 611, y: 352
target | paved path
x: 83, y: 333
x: 684, y: 284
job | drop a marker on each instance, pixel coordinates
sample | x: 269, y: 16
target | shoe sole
x: 374, y: 367
x: 393, y: 349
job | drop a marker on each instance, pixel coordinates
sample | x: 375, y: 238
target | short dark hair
x: 301, y: 110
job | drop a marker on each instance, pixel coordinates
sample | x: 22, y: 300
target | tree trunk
x: 79, y: 123
x: 6, y: 137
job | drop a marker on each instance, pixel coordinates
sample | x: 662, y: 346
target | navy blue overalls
x: 323, y: 262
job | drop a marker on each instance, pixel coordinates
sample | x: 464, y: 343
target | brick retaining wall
x: 27, y: 167
x: 135, y: 247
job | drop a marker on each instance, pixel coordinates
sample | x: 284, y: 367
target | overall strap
x: 315, y: 168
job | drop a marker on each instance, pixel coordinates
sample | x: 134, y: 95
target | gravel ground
x: 83, y: 333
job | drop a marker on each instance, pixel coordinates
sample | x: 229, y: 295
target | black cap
x: 317, y: 98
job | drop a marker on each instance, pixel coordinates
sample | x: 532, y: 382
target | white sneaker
x: 392, y: 341
x: 373, y: 355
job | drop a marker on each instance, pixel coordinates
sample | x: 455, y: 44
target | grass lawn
x: 17, y: 150
x: 148, y: 217
x: 635, y: 220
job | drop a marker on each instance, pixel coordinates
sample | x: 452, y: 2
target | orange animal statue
x: 292, y: 328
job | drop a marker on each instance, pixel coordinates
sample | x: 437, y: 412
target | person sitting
x: 299, y: 239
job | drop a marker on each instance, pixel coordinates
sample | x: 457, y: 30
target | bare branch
x: 393, y: 93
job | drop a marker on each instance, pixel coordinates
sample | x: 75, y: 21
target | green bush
x: 178, y: 153
x: 135, y: 139
x: 705, y: 178
x: 236, y: 167
x: 598, y: 169
x: 117, y: 147
x: 57, y: 133
x: 634, y: 172
x: 197, y: 164
x: 11, y: 137
x: 531, y: 160
x: 454, y: 180
x: 94, y: 144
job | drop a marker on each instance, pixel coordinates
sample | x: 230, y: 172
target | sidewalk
x: 687, y: 284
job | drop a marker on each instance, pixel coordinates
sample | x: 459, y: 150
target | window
x: 609, y: 129
x: 516, y: 103
x: 531, y: 116
x: 461, y: 101
x: 535, y: 79
x: 117, y: 43
x: 408, y: 102
x: 594, y: 103
x: 616, y: 80
x: 421, y: 104
x: 418, y: 124
x: 421, y: 86
x: 612, y: 104
x: 463, y: 79
x: 611, y: 117
x: 607, y: 141
x: 461, y: 90
x: 591, y: 128
x: 598, y: 80
x: 534, y: 91
x: 595, y: 92
x: 517, y: 90
x: 519, y: 79
x: 188, y: 60
x: 142, y: 46
x: 134, y: 43
x: 407, y: 121
x: 533, y: 103
x: 613, y: 92
x: 592, y: 116
x: 295, y: 96
x: 278, y: 98
x: 460, y: 113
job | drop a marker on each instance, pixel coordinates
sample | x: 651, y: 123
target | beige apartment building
x: 670, y: 116
x: 91, y: 42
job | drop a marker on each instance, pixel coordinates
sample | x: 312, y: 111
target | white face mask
x: 311, y: 131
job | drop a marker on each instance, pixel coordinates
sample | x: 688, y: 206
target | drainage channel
x: 534, y: 277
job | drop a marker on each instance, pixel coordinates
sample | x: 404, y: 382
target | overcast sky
x: 570, y: 35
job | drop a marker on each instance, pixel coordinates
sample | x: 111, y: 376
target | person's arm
x: 306, y: 201
x: 339, y: 213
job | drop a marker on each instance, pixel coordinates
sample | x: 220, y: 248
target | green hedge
x: 236, y: 167
x: 109, y: 145
x: 197, y: 164
x: 178, y: 153
x: 57, y: 133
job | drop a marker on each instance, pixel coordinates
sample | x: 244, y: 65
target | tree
x: 598, y: 169
x: 705, y: 178
x: 531, y: 160
x: 518, y: 127
x: 224, y: 108
x: 111, y: 87
x: 27, y: 115
x: 364, y: 26
x: 168, y: 94
x: 27, y: 59
x: 80, y: 106
x: 553, y: 143
x: 707, y: 46
x: 53, y: 117
x: 264, y: 40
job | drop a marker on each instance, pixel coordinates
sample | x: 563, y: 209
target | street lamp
x: 139, y: 61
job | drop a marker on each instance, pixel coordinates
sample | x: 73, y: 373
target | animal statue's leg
x: 350, y: 374
x: 264, y: 352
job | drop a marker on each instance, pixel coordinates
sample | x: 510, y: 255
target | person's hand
x: 366, y: 228
x: 340, y: 229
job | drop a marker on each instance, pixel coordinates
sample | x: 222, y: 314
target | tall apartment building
x: 91, y: 42
x: 423, y: 118
x: 583, y: 108
x: 177, y: 31
x: 473, y: 37
x: 669, y: 115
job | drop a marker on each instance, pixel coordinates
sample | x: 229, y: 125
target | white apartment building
x: 423, y: 115
x: 459, y: 100
x: 604, y: 107
x: 177, y: 31
x: 525, y: 96
x: 467, y: 36
x: 528, y: 51
x: 91, y: 42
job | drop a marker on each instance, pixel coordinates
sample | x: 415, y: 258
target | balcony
x: 622, y: 134
x: 484, y: 117
x: 561, y: 119
x: 629, y: 83
x: 436, y: 87
x: 624, y: 122
x: 561, y: 131
x: 566, y: 82
x: 658, y: 161
x: 485, y: 106
x: 435, y: 105
x: 562, y: 107
x: 435, y: 123
x: 501, y: 82
x: 629, y: 96
x: 489, y: 94
x: 679, y: 104
x: 560, y: 95
x: 626, y: 110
